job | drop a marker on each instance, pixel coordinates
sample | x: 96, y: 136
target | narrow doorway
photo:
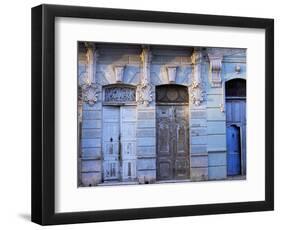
x: 236, y: 126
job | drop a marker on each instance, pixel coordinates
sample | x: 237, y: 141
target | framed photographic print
x: 143, y: 114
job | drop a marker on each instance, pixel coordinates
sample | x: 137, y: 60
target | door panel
x: 164, y: 130
x: 165, y: 169
x: 172, y: 142
x: 128, y: 140
x: 236, y: 136
x: 181, y: 168
x: 181, y: 142
x: 111, y: 169
x: 234, y: 155
x: 129, y: 170
x: 110, y: 146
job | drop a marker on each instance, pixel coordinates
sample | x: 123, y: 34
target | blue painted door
x: 236, y: 124
x: 233, y: 151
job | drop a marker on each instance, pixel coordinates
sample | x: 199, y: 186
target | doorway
x: 172, y: 131
x: 236, y: 127
x: 119, y: 143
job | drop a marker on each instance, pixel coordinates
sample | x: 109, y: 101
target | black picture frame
x: 43, y: 114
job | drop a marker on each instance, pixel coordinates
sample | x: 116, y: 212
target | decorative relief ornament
x: 144, y: 89
x: 196, y: 85
x: 90, y: 93
x: 144, y: 93
x: 120, y: 94
x: 215, y: 59
x: 196, y: 93
x: 88, y: 88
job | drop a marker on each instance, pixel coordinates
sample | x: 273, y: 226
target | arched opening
x: 236, y: 88
x: 172, y: 142
x: 235, y: 92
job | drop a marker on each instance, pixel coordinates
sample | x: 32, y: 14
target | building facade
x: 150, y: 113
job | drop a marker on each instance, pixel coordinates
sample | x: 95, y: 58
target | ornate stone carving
x: 196, y: 85
x: 144, y: 93
x: 172, y: 73
x: 119, y: 94
x: 144, y: 89
x: 215, y: 59
x: 88, y: 88
x: 196, y: 93
x: 119, y: 70
x: 90, y: 93
x: 215, y: 71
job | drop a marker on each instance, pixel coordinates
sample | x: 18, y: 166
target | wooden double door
x: 172, y: 142
x: 119, y: 143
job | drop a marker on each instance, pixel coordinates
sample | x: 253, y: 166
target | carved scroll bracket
x: 196, y: 85
x: 89, y: 89
x: 215, y: 70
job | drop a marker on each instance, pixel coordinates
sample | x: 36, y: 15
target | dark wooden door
x: 172, y: 142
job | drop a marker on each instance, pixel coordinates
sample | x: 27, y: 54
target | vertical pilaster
x: 198, y: 121
x: 90, y: 155
x: 146, y: 130
x: 216, y: 132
